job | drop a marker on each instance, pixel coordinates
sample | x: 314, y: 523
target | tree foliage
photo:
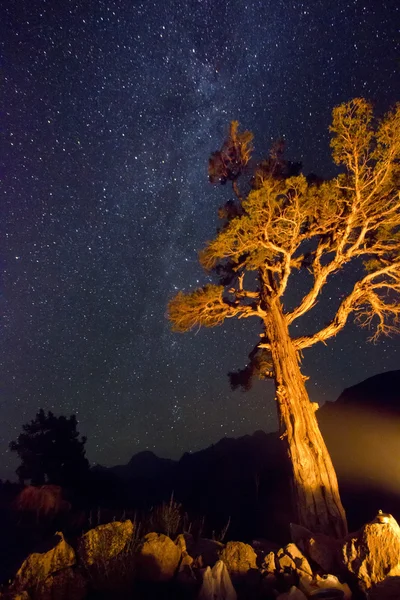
x: 228, y: 163
x: 287, y: 222
x: 51, y: 451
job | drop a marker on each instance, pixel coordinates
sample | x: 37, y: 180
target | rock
x: 205, y: 552
x: 185, y: 540
x: 105, y: 542
x: 268, y: 572
x: 320, y: 548
x: 217, y: 584
x: 332, y: 583
x: 66, y: 584
x: 293, y: 594
x: 285, y: 562
x: 240, y: 559
x: 186, y: 560
x: 263, y: 548
x: 181, y: 543
x: 39, y: 565
x: 290, y: 557
x: 107, y: 555
x: 312, y: 586
x: 373, y: 554
x: 157, y: 559
x: 269, y: 564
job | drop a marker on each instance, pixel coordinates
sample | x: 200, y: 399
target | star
x: 112, y: 112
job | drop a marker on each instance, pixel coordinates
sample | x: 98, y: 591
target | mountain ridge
x: 364, y: 393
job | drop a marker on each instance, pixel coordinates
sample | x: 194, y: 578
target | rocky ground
x: 112, y: 561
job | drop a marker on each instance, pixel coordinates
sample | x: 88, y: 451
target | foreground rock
x: 373, y: 554
x: 321, y: 549
x: 158, y: 558
x: 105, y: 542
x: 106, y: 555
x: 204, y: 552
x: 217, y: 584
x: 241, y: 561
x: 39, y: 565
x: 290, y: 558
x: 50, y: 575
x: 112, y: 562
x: 323, y: 585
x: 64, y: 585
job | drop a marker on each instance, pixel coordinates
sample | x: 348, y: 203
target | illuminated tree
x: 287, y: 223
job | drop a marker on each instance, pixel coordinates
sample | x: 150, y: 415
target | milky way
x: 110, y: 112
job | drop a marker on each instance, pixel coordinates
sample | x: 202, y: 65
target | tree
x: 288, y: 223
x: 51, y: 451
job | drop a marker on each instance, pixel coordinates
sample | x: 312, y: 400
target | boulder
x: 217, y: 584
x: 263, y: 548
x: 186, y: 559
x: 269, y: 564
x: 205, y: 552
x: 240, y: 560
x: 185, y: 541
x: 373, y: 554
x: 320, y: 548
x: 181, y: 542
x: 317, y: 584
x: 291, y: 558
x: 40, y: 565
x: 63, y: 585
x: 157, y: 559
x: 105, y: 542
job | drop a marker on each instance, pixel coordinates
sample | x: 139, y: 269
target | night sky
x: 109, y: 113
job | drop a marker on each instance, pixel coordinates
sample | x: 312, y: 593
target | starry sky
x: 109, y: 112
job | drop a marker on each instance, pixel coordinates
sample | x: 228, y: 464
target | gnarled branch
x: 204, y: 307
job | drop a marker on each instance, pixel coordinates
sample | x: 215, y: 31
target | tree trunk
x: 315, y: 486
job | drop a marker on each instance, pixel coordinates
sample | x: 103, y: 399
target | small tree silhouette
x: 51, y: 451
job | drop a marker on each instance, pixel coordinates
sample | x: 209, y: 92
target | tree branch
x: 205, y: 307
x: 365, y: 299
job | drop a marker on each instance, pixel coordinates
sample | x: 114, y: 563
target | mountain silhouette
x: 247, y: 479
x: 145, y: 464
x: 362, y: 432
x: 381, y: 391
x: 231, y: 479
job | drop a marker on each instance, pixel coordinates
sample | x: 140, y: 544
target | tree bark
x: 315, y: 487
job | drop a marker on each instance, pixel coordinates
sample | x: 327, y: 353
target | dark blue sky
x: 109, y: 113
